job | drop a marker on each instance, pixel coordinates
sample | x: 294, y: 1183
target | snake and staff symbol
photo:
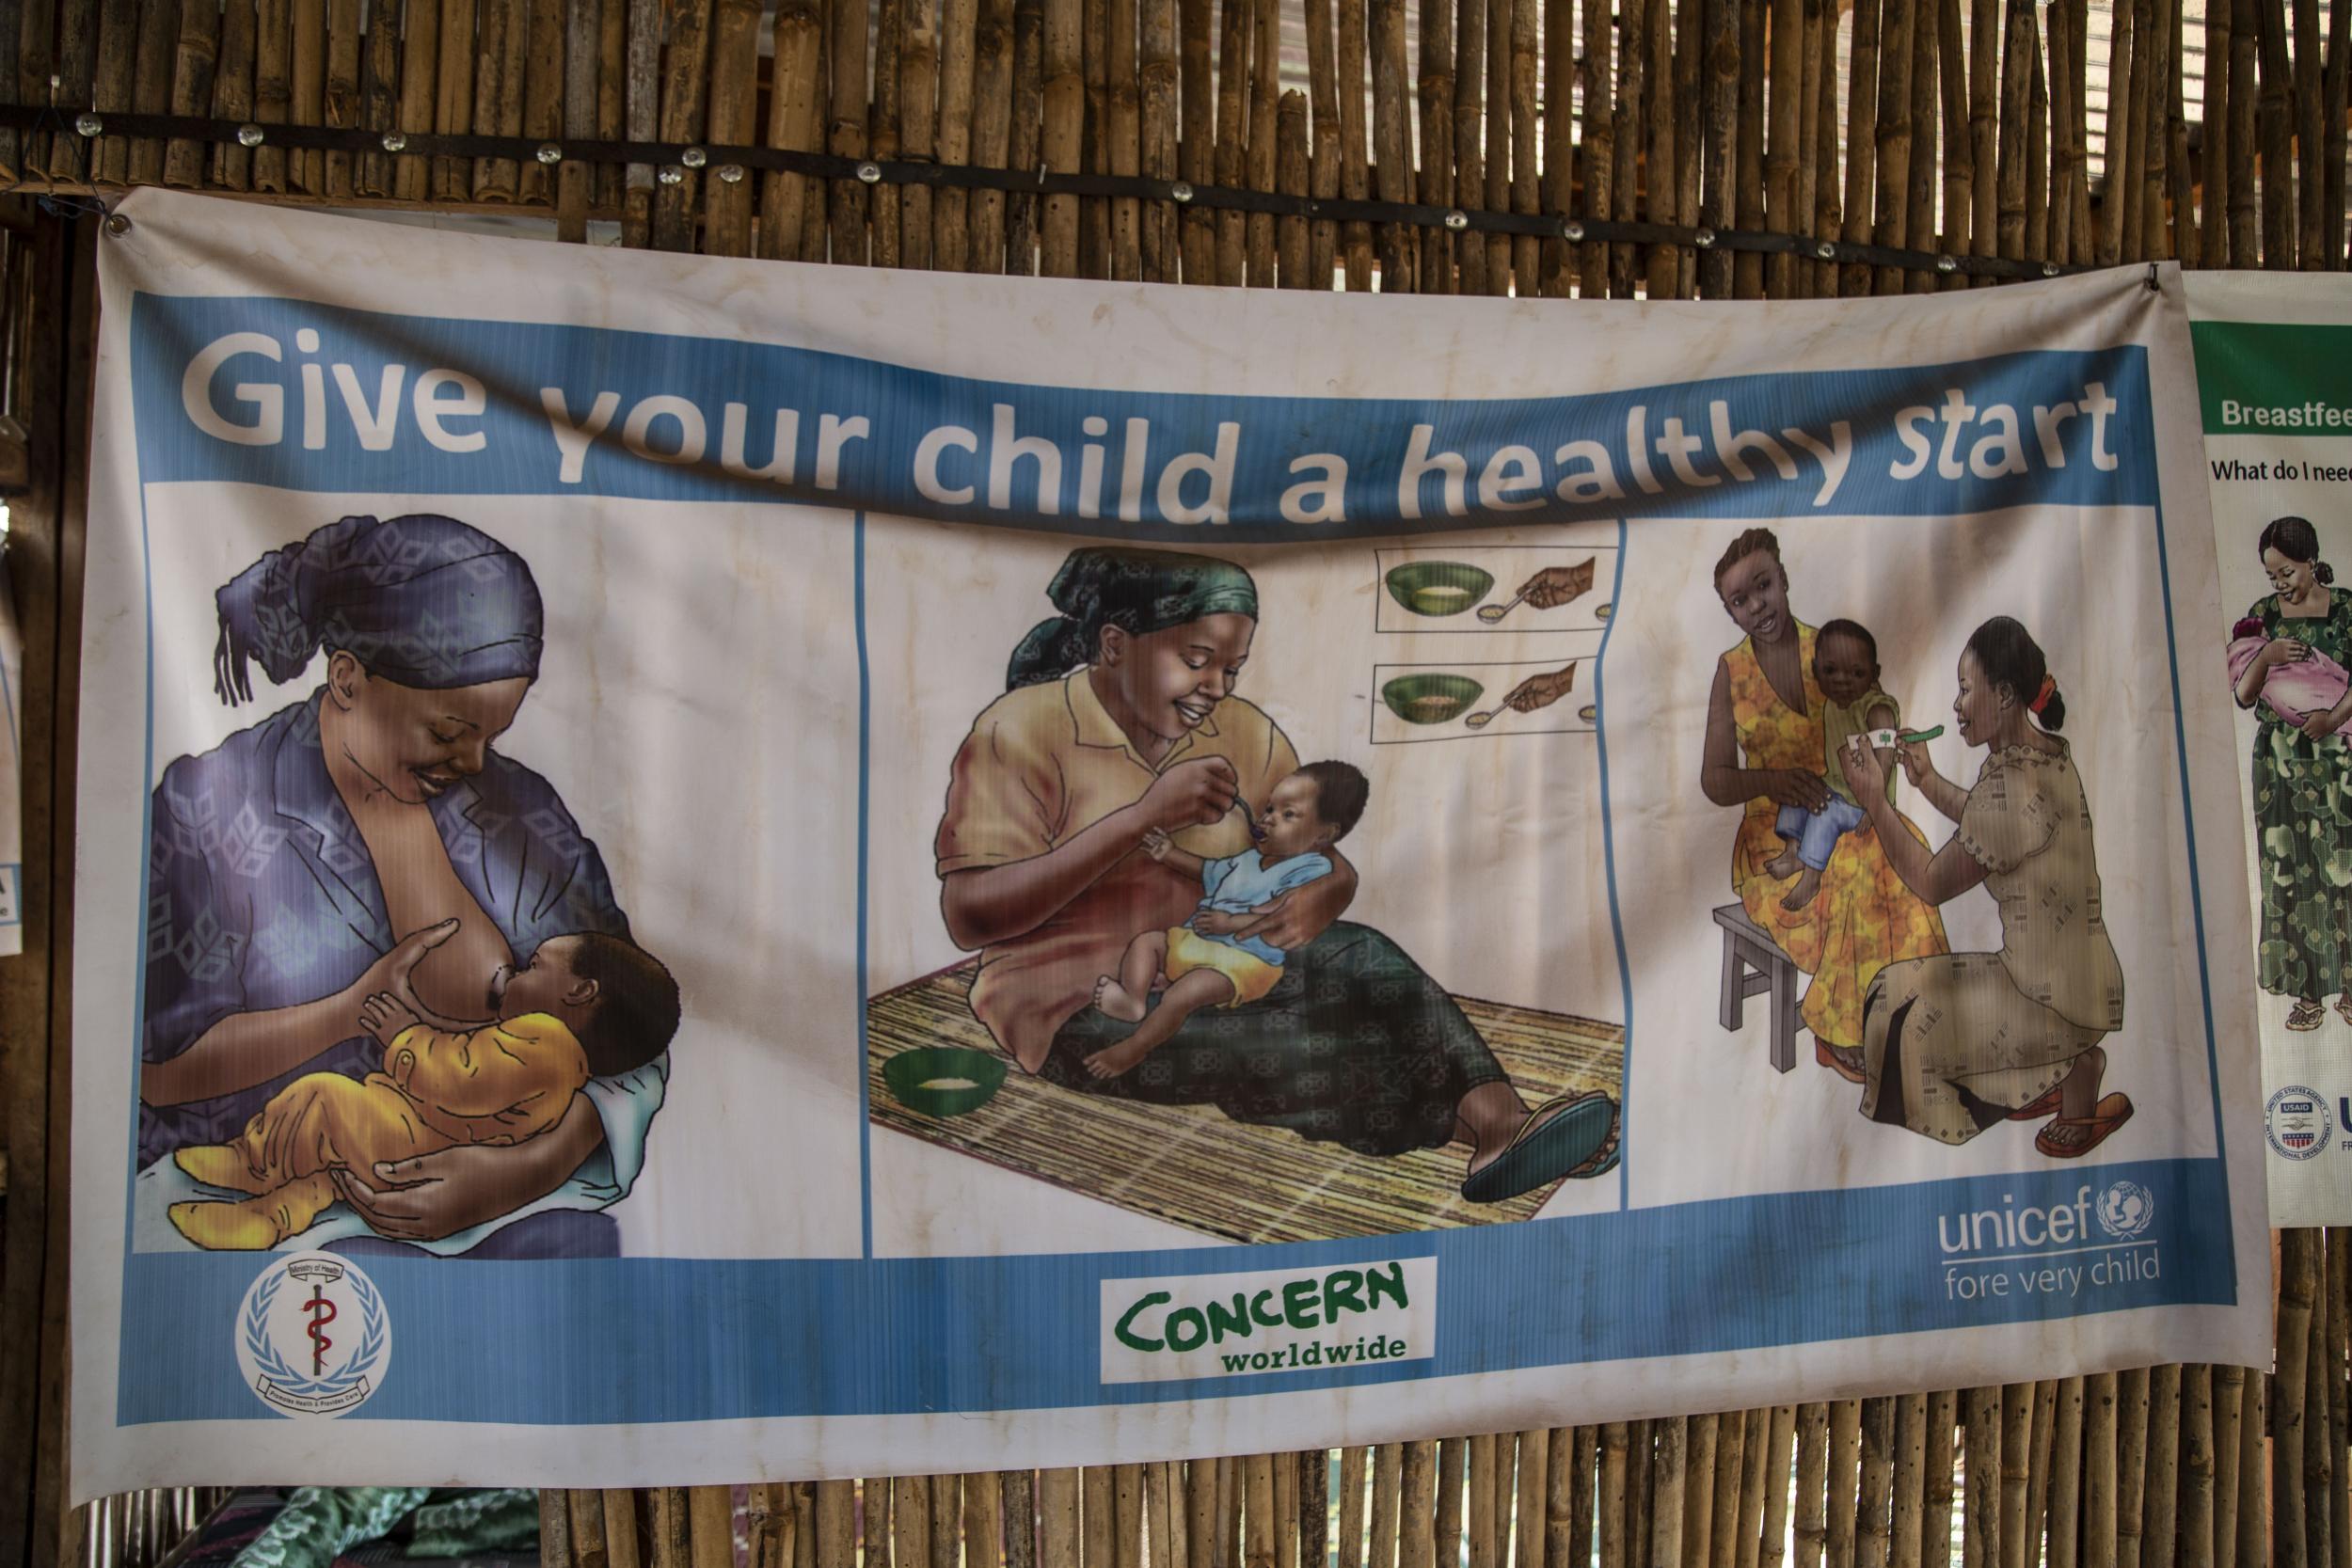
x: 279, y: 1330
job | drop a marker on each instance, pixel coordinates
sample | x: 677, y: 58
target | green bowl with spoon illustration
x: 1437, y: 588
x: 944, y: 1080
x: 1428, y: 697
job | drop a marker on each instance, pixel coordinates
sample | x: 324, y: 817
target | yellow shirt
x: 1841, y: 723
x: 1044, y: 762
x: 500, y: 1084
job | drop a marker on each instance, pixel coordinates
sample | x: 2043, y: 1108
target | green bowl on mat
x: 1429, y: 699
x: 1438, y: 587
x: 944, y: 1080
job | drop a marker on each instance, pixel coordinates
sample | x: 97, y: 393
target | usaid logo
x: 2297, y: 1122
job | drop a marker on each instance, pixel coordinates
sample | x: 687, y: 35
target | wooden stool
x: 1751, y: 964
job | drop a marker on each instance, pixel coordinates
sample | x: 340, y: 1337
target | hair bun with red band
x: 2041, y: 698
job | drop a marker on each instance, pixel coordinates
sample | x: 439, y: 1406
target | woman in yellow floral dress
x: 1765, y: 751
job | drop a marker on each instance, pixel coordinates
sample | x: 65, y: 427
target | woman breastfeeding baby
x: 365, y: 851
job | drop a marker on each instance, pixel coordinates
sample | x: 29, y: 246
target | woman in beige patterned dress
x: 1954, y: 1043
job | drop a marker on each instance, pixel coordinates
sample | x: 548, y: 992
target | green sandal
x: 1577, y: 1141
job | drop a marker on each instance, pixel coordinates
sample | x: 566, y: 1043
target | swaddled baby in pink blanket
x: 2295, y: 690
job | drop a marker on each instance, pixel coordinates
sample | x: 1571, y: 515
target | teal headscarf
x: 1139, y: 592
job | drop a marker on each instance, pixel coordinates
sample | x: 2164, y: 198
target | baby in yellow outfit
x: 586, y: 1006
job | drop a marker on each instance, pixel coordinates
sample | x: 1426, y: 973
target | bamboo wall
x: 1715, y: 148
x: 1741, y: 148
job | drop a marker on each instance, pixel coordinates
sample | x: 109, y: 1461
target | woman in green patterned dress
x: 2301, y: 815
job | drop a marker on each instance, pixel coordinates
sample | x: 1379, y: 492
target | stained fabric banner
x: 2274, y: 366
x: 701, y: 870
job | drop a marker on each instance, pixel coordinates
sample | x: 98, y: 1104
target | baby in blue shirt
x: 1210, y: 960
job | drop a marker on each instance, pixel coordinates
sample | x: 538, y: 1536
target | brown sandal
x: 2306, y: 1016
x: 2113, y: 1111
x: 2046, y: 1106
x: 1828, y: 1055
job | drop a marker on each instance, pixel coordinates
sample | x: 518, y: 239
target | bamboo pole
x: 1747, y: 171
x: 555, y: 1529
x: 2243, y: 215
x: 1163, y: 1505
x: 493, y: 178
x: 2066, y: 1475
x: 874, y: 1520
x: 2253, y: 1513
x: 2131, y: 167
x: 1871, y: 1498
x: 1615, y: 1464
x: 1094, y: 217
x: 151, y: 84
x: 2131, y: 1465
x: 1632, y: 105
x: 1717, y: 172
x: 306, y: 168
x: 620, y: 1527
x: 2229, y: 1408
x: 1824, y: 159
x: 1534, y: 1474
x: 2154, y: 145
x: 1920, y: 181
x: 2217, y: 164
x: 2016, y: 1411
x: 379, y: 101
x: 1729, y: 1477
x: 66, y: 87
x: 686, y: 77
x: 1057, y: 1520
x: 1845, y: 1472
x: 1416, y: 1544
x: 613, y: 95
x: 1452, y: 1463
x: 1353, y: 1465
x: 2016, y: 79
x: 1569, y: 1543
x: 1265, y: 86
x: 1065, y: 126
x: 1122, y: 137
x: 710, y: 1526
x: 1323, y: 157
x: 2038, y: 184
x: 1894, y: 132
x: 1017, y: 1502
x: 1258, y: 1516
x: 1689, y: 54
x: 2298, y: 1292
x: 1291, y: 180
x: 1434, y: 272
x: 1598, y: 149
x: 1468, y: 130
x: 1980, y: 1542
x: 1908, y: 1505
x: 195, y: 54
x: 1812, y: 1532
x: 1496, y: 162
x: 945, y: 1495
x: 1234, y: 42
x: 1943, y: 1421
x: 2194, y: 1534
x: 2339, y: 1265
x: 2180, y: 211
x: 1748, y: 1520
x: 2062, y: 169
x: 886, y: 125
x: 952, y: 240
x: 1861, y: 137
x: 585, y: 1517
x: 543, y: 99
x: 2160, y: 1509
x: 1663, y: 200
x: 1698, y: 1489
x: 1642, y: 1444
x: 1558, y: 166
x: 1286, y: 1465
x: 1156, y: 89
x: 2310, y: 133
x: 1196, y: 146
x: 796, y: 42
x: 1779, y: 1454
x: 2041, y: 1438
x: 2324, y: 1392
x: 1783, y: 208
x: 1666, y: 1500
x: 232, y: 99
x: 846, y: 135
x: 1355, y: 175
x: 918, y: 121
x: 2115, y: 187
x: 734, y: 103
x: 2338, y: 96
x: 2276, y: 116
x: 1957, y: 139
x: 910, y: 1524
x: 1393, y: 129
x: 1201, y: 1513
x: 2100, y: 1430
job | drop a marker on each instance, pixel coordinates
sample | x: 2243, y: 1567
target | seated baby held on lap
x: 586, y: 1006
x: 1846, y: 667
x: 1211, y: 961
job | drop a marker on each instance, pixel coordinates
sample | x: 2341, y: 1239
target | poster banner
x: 2274, y: 377
x: 735, y: 870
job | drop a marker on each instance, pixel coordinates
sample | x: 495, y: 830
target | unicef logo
x: 312, y: 1337
x: 2297, y: 1121
x: 2125, y: 1209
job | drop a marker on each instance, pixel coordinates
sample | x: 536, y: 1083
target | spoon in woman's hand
x: 1490, y: 614
x: 1480, y: 720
